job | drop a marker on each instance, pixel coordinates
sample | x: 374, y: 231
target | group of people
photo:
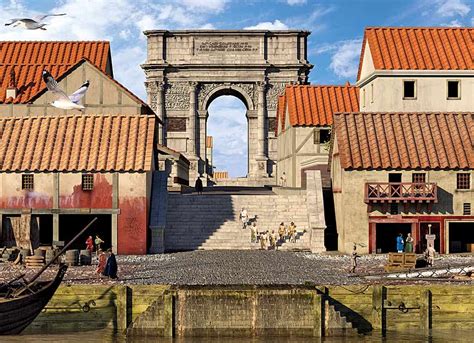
x: 107, y: 263
x: 406, y: 245
x: 269, y: 240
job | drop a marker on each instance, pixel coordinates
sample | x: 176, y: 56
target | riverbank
x: 240, y: 268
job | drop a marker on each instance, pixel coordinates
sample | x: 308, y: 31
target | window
x: 372, y: 93
x: 454, y: 89
x: 324, y: 136
x: 466, y: 209
x: 418, y: 178
x: 87, y: 182
x: 463, y: 181
x: 363, y: 98
x: 409, y: 89
x: 27, y: 181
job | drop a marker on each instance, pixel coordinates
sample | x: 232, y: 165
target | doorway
x: 386, y: 236
x: 461, y: 237
x: 71, y: 224
x: 45, y: 222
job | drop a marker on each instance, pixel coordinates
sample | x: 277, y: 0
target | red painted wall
x: 27, y: 200
x: 99, y: 197
x: 132, y: 226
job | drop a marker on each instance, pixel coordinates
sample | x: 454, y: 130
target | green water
x: 107, y: 336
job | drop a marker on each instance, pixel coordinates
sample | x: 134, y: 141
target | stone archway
x: 186, y: 70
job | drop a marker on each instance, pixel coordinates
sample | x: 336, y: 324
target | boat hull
x: 17, y: 313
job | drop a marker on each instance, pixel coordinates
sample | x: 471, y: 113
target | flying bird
x: 63, y: 101
x: 34, y: 23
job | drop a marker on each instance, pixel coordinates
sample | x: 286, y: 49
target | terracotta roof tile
x: 77, y: 143
x: 28, y: 59
x: 315, y: 105
x: 419, y: 48
x: 405, y: 140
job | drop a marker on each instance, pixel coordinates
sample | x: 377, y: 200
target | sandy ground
x: 237, y: 268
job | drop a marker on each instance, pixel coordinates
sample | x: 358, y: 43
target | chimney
x: 12, y: 89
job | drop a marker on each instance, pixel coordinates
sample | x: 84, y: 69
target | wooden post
x: 123, y: 308
x: 379, y: 294
x: 318, y: 315
x: 426, y: 311
x: 168, y: 315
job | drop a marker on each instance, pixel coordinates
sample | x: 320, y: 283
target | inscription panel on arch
x: 223, y: 46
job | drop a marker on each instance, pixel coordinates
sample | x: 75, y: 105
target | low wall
x: 154, y: 310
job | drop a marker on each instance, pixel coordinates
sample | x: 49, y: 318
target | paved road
x: 235, y: 268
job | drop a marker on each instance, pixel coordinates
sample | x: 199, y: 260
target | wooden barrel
x: 72, y: 257
x: 85, y: 257
x: 50, y: 254
x: 40, y: 252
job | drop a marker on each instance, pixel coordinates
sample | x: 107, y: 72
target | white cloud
x: 450, y: 8
x: 268, y: 25
x: 344, y: 61
x: 205, y: 5
x: 453, y: 23
x: 227, y: 123
x: 295, y: 2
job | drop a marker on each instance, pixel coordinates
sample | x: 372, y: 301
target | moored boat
x: 16, y: 313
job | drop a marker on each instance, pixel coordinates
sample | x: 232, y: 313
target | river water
x: 108, y: 336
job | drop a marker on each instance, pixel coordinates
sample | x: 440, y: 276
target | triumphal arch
x: 186, y: 70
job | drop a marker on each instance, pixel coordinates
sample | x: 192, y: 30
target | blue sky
x: 334, y: 45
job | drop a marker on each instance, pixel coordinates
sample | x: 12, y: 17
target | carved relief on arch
x: 177, y: 96
x: 273, y: 91
x: 245, y: 90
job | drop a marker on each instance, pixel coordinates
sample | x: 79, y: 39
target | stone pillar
x: 201, y: 150
x: 115, y: 205
x: 192, y: 151
x: 192, y: 119
x: 261, y: 159
x: 160, y: 111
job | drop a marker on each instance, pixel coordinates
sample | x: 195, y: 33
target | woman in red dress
x: 102, y: 261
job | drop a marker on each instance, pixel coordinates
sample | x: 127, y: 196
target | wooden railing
x: 400, y: 192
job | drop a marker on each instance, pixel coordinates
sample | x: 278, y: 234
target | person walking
x: 253, y: 233
x: 90, y: 244
x: 400, y: 243
x: 198, y: 186
x: 244, y: 217
x: 409, y: 243
x: 111, y: 265
x: 273, y: 240
x: 292, y: 231
x: 263, y: 241
x: 102, y: 262
x: 354, y: 257
x: 283, y: 179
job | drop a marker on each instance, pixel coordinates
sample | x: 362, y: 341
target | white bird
x: 34, y: 23
x: 63, y: 101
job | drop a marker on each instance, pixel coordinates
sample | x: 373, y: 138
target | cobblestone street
x: 234, y: 268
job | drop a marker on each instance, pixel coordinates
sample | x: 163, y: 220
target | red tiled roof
x: 405, y: 140
x: 28, y: 59
x: 77, y: 143
x: 315, y: 105
x: 422, y: 48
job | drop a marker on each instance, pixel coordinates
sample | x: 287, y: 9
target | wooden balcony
x: 404, y: 192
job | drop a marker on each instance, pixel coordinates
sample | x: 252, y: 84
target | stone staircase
x: 336, y: 324
x: 211, y: 221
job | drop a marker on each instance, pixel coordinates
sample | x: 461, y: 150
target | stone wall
x: 156, y: 310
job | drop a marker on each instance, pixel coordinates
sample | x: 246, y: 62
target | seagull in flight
x: 34, y: 23
x: 63, y: 101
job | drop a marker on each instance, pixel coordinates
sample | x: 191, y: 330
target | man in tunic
x: 98, y: 241
x: 273, y: 239
x: 244, y: 217
x: 292, y: 231
x: 102, y: 261
x: 430, y: 253
x: 282, y: 232
x: 198, y: 186
x: 90, y: 244
x: 354, y: 257
x: 400, y: 243
x: 409, y: 243
x: 253, y: 233
x: 263, y: 241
